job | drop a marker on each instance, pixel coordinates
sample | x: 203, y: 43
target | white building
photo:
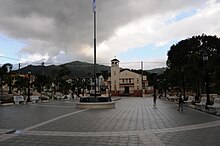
x: 125, y: 82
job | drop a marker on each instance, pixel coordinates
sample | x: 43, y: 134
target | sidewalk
x: 134, y: 121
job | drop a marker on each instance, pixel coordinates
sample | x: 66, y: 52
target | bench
x: 35, y: 99
x: 67, y: 97
x: 44, y: 99
x: 201, y: 104
x: 215, y: 108
x: 189, y: 101
x: 172, y: 98
x: 19, y: 99
x: 59, y: 97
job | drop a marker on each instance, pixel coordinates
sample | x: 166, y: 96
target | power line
x: 138, y: 62
x: 9, y: 57
x: 102, y: 63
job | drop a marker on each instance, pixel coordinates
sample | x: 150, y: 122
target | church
x: 126, y: 82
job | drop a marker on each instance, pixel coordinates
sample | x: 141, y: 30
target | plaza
x: 134, y: 121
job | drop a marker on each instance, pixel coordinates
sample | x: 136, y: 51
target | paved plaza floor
x: 134, y: 122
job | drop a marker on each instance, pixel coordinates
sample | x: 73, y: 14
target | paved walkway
x: 134, y: 121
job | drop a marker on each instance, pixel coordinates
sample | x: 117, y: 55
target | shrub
x: 7, y: 99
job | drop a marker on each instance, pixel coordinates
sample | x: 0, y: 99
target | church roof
x: 127, y: 70
x: 114, y: 60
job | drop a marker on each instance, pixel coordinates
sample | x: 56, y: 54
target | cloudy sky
x: 59, y: 31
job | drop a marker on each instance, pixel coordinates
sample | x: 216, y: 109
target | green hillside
x: 77, y: 69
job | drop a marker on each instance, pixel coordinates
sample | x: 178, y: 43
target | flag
x: 93, y: 5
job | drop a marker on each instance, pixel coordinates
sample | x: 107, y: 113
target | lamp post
x: 183, y: 83
x: 165, y: 88
x: 155, y: 82
x: 109, y: 91
x: 29, y: 79
x: 53, y: 89
x: 19, y: 78
x: 205, y: 59
x: 77, y: 87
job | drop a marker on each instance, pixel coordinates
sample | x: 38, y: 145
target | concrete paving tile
x: 133, y: 122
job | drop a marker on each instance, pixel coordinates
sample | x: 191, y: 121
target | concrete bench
x: 172, y: 98
x: 35, y: 99
x: 44, y: 99
x: 189, y: 101
x: 215, y: 108
x: 58, y: 96
x: 201, y: 104
x: 67, y: 97
x: 19, y: 99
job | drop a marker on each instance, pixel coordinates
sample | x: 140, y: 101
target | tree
x: 21, y: 83
x: 6, y: 76
x: 187, y: 55
x: 41, y: 81
x: 63, y: 71
x: 105, y: 74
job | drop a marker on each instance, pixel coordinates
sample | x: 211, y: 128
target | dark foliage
x: 185, y: 61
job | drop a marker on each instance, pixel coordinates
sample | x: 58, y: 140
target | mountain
x: 77, y: 69
x: 157, y: 70
x: 83, y: 69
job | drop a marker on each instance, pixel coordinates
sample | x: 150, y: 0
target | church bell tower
x: 115, y: 70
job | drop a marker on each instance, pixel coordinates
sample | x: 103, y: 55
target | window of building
x: 129, y: 80
x: 137, y: 80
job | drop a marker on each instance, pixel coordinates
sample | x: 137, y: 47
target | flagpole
x: 94, y: 10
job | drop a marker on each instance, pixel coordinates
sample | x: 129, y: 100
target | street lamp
x: 110, y: 92
x: 29, y: 79
x: 165, y: 88
x: 205, y: 59
x: 183, y: 83
x: 154, y: 95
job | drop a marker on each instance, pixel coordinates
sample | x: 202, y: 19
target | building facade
x: 126, y: 82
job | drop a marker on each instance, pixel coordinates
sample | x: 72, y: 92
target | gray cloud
x: 54, y: 26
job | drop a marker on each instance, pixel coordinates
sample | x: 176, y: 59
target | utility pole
x: 142, y: 81
x: 43, y: 71
x: 19, y: 73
